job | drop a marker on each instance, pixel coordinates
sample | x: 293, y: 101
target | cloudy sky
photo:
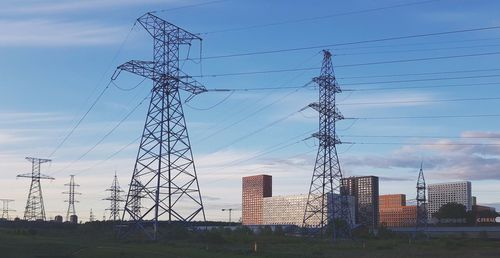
x: 429, y: 98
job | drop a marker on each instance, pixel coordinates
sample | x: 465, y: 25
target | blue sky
x: 57, y: 56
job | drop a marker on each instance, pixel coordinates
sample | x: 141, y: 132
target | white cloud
x: 47, y: 7
x: 445, y: 159
x: 51, y: 33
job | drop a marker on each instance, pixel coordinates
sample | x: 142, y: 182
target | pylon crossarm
x: 151, y: 23
x: 148, y: 70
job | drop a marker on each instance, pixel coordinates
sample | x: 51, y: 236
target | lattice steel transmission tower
x: 421, y: 223
x: 164, y: 177
x: 115, y: 199
x: 91, y: 216
x: 5, y: 208
x: 327, y: 202
x: 35, y: 210
x: 136, y: 195
x: 71, y: 197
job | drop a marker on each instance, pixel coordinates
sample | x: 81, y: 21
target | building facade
x: 289, y: 210
x: 394, y: 212
x: 441, y: 194
x: 254, y: 189
x: 365, y: 190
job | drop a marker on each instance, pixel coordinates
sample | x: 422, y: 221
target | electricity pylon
x: 421, y: 223
x: 115, y: 199
x: 35, y: 210
x: 5, y: 208
x: 71, y: 197
x: 326, y: 201
x: 164, y: 177
x: 91, y: 216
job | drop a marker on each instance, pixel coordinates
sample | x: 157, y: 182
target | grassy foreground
x: 98, y: 241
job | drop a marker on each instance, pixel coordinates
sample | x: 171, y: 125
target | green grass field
x: 85, y: 241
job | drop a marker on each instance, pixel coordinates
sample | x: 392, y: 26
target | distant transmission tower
x: 164, y: 177
x: 71, y: 197
x: 35, y: 210
x: 91, y: 216
x: 5, y: 208
x: 115, y: 198
x: 421, y: 223
x: 135, y: 194
x: 325, y: 190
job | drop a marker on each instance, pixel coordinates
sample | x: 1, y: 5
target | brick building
x: 394, y: 212
x: 254, y: 189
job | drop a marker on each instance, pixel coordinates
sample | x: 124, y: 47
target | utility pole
x: 421, y: 223
x: 115, y: 198
x: 323, y: 207
x: 164, y: 175
x: 229, y: 210
x: 35, y: 210
x: 71, y: 197
x: 5, y: 208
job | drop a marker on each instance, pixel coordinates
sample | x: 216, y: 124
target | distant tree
x: 451, y: 210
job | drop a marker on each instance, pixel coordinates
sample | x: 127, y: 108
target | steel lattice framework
x: 327, y: 175
x: 5, y: 208
x: 35, y: 210
x: 91, y: 216
x: 115, y: 199
x: 71, y: 197
x: 164, y: 181
x: 421, y: 223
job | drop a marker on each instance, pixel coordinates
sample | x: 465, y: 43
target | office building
x: 394, y: 212
x: 365, y: 190
x: 441, y: 194
x: 289, y: 210
x: 254, y: 189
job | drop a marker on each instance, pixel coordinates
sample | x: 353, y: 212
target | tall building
x: 254, y: 189
x: 441, y: 194
x: 289, y: 210
x: 365, y: 190
x: 394, y: 212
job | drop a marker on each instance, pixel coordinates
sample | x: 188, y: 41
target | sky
x: 401, y: 97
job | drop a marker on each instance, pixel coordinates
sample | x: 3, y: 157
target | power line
x: 273, y: 123
x: 414, y: 50
x: 423, y: 136
x: 350, y: 65
x: 427, y: 117
x: 353, y: 42
x: 418, y: 74
x: 426, y: 144
x: 419, y: 101
x: 425, y: 79
x: 317, y: 17
x: 190, y: 6
x: 110, y: 156
x: 115, y: 56
x: 270, y: 149
x: 425, y: 87
x: 81, y: 120
x: 377, y: 82
x: 214, y: 105
x: 253, y: 113
x: 293, y: 78
x: 105, y: 136
x: 128, y: 89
